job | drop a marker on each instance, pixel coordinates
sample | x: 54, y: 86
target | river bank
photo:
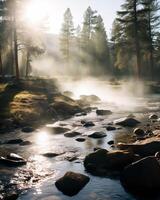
x: 51, y: 151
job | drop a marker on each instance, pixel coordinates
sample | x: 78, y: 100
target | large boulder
x: 102, y: 161
x: 71, y: 183
x: 142, y: 176
x: 127, y: 121
x: 144, y: 148
x: 65, y: 106
x: 90, y: 98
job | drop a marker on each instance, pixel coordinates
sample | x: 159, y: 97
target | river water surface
x: 46, y: 170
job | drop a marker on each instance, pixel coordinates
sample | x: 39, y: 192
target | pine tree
x: 89, y: 22
x: 67, y: 33
x: 151, y: 22
x: 128, y: 17
x: 100, y: 46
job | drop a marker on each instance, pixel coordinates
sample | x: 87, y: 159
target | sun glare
x: 36, y: 11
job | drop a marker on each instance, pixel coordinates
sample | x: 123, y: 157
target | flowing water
x: 44, y: 171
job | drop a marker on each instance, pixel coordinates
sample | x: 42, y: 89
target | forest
x: 132, y: 50
x: 79, y: 108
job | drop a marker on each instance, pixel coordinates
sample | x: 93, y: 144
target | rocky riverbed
x: 96, y: 150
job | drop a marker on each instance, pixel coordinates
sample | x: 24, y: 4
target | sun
x: 36, y: 11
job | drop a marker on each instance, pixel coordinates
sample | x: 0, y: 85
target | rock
x: 144, y: 148
x: 81, y: 114
x: 103, y: 112
x: 50, y: 155
x: 25, y: 143
x: 102, y: 161
x: 15, y: 141
x: 65, y: 106
x: 142, y: 176
x: 11, y: 196
x: 80, y: 139
x: 12, y: 160
x: 71, y: 183
x: 13, y: 156
x: 97, y: 148
x: 111, y: 128
x: 157, y: 155
x: 111, y: 142
x: 68, y: 94
x: 88, y: 124
x: 129, y: 122
x: 72, y: 134
x: 153, y: 117
x: 90, y: 98
x: 59, y: 129
x: 139, y: 132
x: 71, y: 158
x: 97, y: 135
x: 27, y: 129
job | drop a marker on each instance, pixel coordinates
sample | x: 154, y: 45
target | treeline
x: 17, y: 41
x: 87, y: 45
x: 134, y: 48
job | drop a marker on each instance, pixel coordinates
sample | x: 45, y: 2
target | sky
x: 55, y: 10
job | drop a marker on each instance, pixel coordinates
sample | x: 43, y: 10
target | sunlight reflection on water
x: 42, y: 137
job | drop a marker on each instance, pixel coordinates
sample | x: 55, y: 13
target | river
x: 46, y: 170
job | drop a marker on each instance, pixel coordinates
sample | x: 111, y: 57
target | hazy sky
x: 55, y: 10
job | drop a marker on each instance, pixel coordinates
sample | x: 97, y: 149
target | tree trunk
x: 151, y: 46
x: 138, y: 55
x: 27, y: 63
x: 16, y: 50
x: 1, y: 64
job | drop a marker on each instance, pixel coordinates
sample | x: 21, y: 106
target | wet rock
x: 13, y: 156
x: 59, y: 130
x: 147, y: 147
x: 72, y: 134
x: 139, y: 132
x: 90, y: 98
x: 157, y: 155
x: 27, y: 129
x: 142, y: 176
x: 81, y: 114
x: 25, y: 143
x: 65, y: 106
x: 103, y: 112
x: 102, y: 161
x: 11, y: 196
x: 68, y: 94
x: 50, y: 155
x: 129, y: 122
x: 153, y: 117
x: 111, y: 128
x: 15, y: 141
x: 71, y: 183
x: 71, y: 158
x: 12, y: 160
x: 111, y: 142
x: 97, y: 148
x: 88, y: 124
x: 97, y: 135
x: 80, y: 139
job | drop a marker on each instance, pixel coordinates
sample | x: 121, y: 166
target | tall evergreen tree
x: 89, y: 22
x: 130, y: 22
x: 150, y: 26
x: 67, y: 33
x: 100, y: 46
